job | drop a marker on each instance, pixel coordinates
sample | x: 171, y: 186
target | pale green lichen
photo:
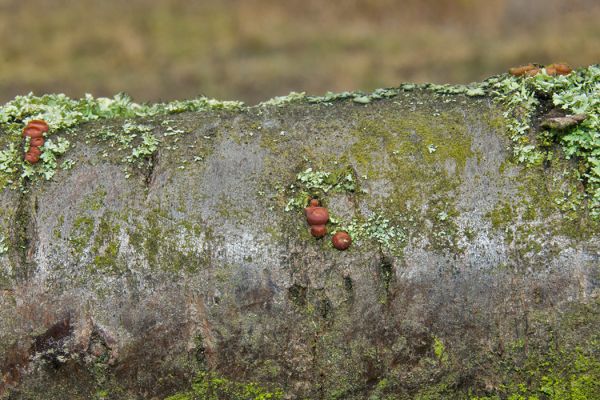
x: 3, y: 245
x: 376, y: 228
x: 576, y: 93
x: 310, y: 183
x: 63, y: 113
x: 282, y: 100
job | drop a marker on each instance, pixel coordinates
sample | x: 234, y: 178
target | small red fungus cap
x: 312, y: 204
x: 561, y: 68
x: 35, y: 150
x: 518, y: 71
x: 38, y: 123
x: 36, y: 142
x: 318, y: 231
x: 341, y: 240
x: 317, y: 216
x: 33, y: 132
x: 33, y: 157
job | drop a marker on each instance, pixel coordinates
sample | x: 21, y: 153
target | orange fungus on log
x: 40, y: 124
x: 35, y: 150
x: 518, y: 71
x: 316, y: 215
x: 36, y: 142
x: 560, y: 68
x: 318, y: 231
x: 33, y: 155
x: 341, y: 240
x: 32, y: 132
x: 35, y: 131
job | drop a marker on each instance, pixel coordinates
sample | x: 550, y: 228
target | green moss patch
x: 210, y: 386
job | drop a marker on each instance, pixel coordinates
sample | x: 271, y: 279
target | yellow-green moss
x: 81, y: 233
x: 550, y: 194
x: 105, y: 249
x: 157, y: 237
x: 210, y: 386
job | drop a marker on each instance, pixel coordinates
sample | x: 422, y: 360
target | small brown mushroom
x: 518, y: 71
x: 560, y: 68
x: 533, y: 72
x: 318, y: 231
x: 33, y: 132
x: 312, y: 204
x: 316, y: 215
x: 341, y: 240
x: 33, y: 155
x: 37, y: 142
x: 38, y: 123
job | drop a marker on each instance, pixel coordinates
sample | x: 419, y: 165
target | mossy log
x: 122, y: 281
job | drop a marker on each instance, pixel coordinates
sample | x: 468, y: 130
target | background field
x: 255, y: 49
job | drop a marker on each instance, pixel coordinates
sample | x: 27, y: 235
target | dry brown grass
x: 256, y: 49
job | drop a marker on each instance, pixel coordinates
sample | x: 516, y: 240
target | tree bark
x: 125, y: 280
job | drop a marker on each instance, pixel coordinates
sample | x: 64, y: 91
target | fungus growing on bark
x: 318, y: 231
x: 317, y: 217
x: 32, y: 132
x: 39, y: 123
x: 341, y: 240
x: 532, y: 70
x: 559, y: 68
x: 36, y: 142
x: 518, y: 71
x: 33, y: 155
x: 315, y: 214
x: 35, y: 130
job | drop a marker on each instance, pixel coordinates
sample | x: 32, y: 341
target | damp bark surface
x: 124, y: 282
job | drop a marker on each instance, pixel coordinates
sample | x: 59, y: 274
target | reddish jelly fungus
x: 35, y: 130
x: 312, y: 204
x: 318, y: 231
x: 32, y: 157
x: 518, y: 71
x: 319, y: 216
x: 38, y: 123
x: 32, y: 132
x: 35, y: 150
x: 341, y: 240
x: 36, y: 142
x: 560, y: 68
x: 316, y: 215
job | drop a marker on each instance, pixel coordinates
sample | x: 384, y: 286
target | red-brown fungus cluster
x: 35, y: 130
x: 532, y: 70
x: 317, y: 218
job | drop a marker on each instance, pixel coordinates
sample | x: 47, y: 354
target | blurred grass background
x: 252, y: 50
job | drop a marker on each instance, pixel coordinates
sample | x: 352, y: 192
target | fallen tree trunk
x: 465, y: 276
